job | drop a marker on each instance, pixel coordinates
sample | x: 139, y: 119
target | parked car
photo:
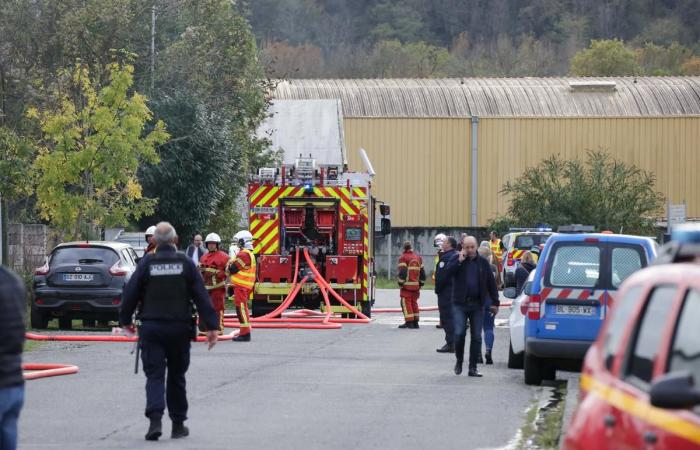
x: 516, y: 323
x: 81, y: 280
x: 575, y: 284
x: 639, y: 385
x: 517, y: 243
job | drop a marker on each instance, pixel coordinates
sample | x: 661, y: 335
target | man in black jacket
x: 13, y: 303
x: 474, y: 284
x: 162, y: 287
x: 443, y: 289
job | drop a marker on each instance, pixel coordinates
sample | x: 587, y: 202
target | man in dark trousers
x: 474, y: 284
x: 162, y: 287
x: 443, y: 289
x: 13, y: 304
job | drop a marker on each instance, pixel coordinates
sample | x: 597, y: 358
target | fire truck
x: 322, y: 208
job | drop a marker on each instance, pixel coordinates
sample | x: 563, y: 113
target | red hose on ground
x: 106, y: 338
x: 47, y: 370
x: 424, y: 308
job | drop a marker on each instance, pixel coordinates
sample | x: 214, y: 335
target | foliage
x: 93, y: 142
x: 600, y: 191
x: 605, y: 58
x: 16, y: 156
x: 657, y: 60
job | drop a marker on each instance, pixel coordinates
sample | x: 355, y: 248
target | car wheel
x: 65, y: 323
x: 38, y: 319
x: 514, y: 361
x: 533, y: 369
x: 549, y: 371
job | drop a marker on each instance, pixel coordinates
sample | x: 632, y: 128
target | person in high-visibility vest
x: 497, y: 249
x: 411, y: 277
x: 242, y: 270
x: 212, y: 265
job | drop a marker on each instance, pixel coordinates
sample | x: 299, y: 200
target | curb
x: 572, y: 393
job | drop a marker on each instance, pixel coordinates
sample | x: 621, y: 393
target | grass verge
x: 542, y: 428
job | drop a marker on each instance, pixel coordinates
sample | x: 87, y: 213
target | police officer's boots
x: 179, y: 430
x: 154, y: 430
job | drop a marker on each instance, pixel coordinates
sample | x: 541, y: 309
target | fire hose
x: 41, y: 370
x: 98, y: 338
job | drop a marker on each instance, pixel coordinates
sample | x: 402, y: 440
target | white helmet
x: 244, y: 239
x: 439, y: 239
x: 212, y: 237
x: 150, y: 231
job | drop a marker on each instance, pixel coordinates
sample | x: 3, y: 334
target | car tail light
x: 39, y: 301
x: 509, y: 260
x: 43, y: 270
x: 116, y: 300
x: 117, y: 270
x: 533, y: 307
x: 524, y: 305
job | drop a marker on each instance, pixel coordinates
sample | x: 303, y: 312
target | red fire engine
x: 324, y: 209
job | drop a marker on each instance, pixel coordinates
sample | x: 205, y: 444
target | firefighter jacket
x: 497, y: 250
x: 164, y: 284
x: 411, y: 272
x: 213, y: 268
x: 242, y: 268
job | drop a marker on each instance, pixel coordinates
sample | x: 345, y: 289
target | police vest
x: 245, y: 277
x: 166, y: 295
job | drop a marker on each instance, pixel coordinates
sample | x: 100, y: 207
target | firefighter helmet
x: 244, y: 239
x: 150, y: 231
x: 212, y: 237
x: 439, y: 239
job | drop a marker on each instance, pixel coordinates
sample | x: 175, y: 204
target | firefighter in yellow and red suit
x: 242, y: 270
x: 411, y: 278
x: 212, y: 265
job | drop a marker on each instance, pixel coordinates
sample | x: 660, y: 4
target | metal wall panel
x: 669, y: 147
x: 422, y: 165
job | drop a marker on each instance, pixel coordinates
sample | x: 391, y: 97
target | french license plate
x: 576, y: 310
x: 78, y: 277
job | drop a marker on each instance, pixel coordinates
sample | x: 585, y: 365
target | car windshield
x: 84, y: 255
x: 527, y: 241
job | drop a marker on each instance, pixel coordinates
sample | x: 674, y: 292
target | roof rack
x: 576, y: 228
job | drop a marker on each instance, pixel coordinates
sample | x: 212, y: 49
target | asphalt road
x: 360, y: 387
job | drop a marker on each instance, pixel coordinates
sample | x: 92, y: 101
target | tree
x: 393, y: 59
x: 600, y: 191
x: 657, y: 60
x: 93, y: 142
x: 605, y: 58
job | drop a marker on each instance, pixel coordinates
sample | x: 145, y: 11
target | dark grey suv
x: 82, y: 280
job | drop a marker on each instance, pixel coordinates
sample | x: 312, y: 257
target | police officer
x: 443, y: 289
x: 163, y: 287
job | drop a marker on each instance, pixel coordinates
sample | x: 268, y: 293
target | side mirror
x: 386, y: 227
x: 510, y: 292
x: 527, y: 290
x: 674, y: 390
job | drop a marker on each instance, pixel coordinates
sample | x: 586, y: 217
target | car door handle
x: 650, y: 437
x: 609, y: 421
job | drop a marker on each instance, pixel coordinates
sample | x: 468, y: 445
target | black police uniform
x: 443, y: 289
x: 162, y: 287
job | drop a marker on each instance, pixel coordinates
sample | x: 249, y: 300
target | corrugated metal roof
x: 503, y: 97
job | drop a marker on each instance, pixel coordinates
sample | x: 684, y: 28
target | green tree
x: 417, y: 59
x: 605, y: 58
x: 92, y: 144
x: 657, y: 60
x: 600, y: 191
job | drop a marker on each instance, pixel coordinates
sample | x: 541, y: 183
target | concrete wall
x: 386, y: 257
x: 28, y: 246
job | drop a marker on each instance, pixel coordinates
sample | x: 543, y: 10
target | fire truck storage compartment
x: 275, y: 268
x: 293, y: 218
x: 325, y: 219
x: 341, y: 269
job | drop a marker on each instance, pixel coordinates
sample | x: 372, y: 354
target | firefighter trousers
x: 240, y: 297
x: 409, y: 306
x: 217, y: 297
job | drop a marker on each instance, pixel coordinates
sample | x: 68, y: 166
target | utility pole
x: 153, y: 46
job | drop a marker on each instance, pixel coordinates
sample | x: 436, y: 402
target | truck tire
x: 367, y: 309
x: 38, y: 319
x: 533, y: 369
x: 65, y: 323
x: 514, y: 361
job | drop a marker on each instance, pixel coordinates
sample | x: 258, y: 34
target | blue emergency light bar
x: 687, y: 233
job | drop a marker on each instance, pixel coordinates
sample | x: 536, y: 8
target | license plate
x: 78, y: 277
x: 575, y: 310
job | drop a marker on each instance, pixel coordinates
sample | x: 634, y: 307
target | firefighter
x: 497, y: 252
x: 437, y: 243
x: 151, y: 243
x: 242, y: 270
x: 213, y: 267
x: 411, y: 278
